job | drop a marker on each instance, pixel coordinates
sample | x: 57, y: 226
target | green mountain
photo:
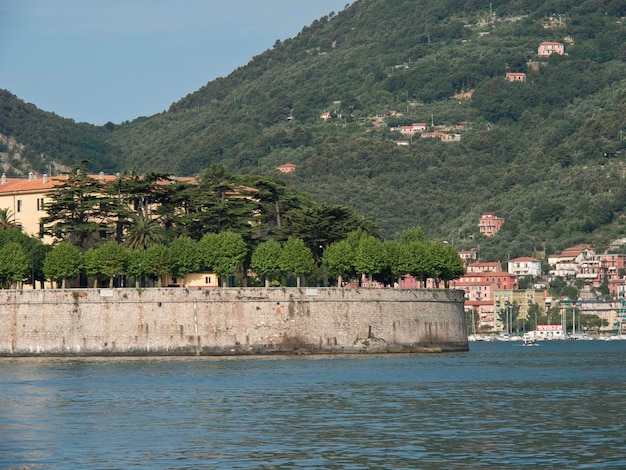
x: 546, y: 154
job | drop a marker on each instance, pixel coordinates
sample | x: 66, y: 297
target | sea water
x: 501, y: 405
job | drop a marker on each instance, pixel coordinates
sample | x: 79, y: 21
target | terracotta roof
x: 532, y: 260
x: 24, y: 185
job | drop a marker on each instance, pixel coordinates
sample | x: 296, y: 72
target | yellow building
x: 504, y: 299
x: 26, y: 199
x: 201, y: 280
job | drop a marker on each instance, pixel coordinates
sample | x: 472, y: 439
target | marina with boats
x: 534, y: 337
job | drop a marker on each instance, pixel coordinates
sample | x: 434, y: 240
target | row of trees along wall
x: 137, y: 229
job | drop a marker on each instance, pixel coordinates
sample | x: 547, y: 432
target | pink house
x: 489, y: 224
x: 547, y: 48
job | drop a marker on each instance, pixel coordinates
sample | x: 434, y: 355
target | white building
x: 525, y: 267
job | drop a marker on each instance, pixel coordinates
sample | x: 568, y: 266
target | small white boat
x: 529, y: 340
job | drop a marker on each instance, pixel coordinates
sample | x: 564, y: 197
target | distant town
x: 490, y: 290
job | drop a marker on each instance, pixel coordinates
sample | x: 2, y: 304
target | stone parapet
x: 230, y: 321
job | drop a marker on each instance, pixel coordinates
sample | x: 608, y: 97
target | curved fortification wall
x: 234, y: 321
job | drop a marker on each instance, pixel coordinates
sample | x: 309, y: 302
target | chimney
x: 44, y: 177
x: 4, y: 178
x: 101, y: 175
x: 31, y: 176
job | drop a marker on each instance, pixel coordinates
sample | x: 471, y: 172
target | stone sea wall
x: 178, y: 321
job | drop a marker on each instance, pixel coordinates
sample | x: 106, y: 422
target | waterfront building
x: 517, y: 300
x: 26, y: 199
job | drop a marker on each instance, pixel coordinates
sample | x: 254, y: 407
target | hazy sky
x: 115, y: 60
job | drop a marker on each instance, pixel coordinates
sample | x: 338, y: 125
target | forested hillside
x: 546, y: 154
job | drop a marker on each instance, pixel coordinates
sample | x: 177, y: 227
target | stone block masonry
x: 232, y: 321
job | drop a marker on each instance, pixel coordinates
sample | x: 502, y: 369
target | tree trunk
x: 339, y: 281
x: 267, y: 282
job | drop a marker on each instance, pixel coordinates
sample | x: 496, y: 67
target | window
x: 19, y: 205
x: 40, y: 204
x: 207, y: 280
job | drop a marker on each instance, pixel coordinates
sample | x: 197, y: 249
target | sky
x: 98, y: 61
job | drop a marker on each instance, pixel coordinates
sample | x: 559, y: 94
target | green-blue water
x: 500, y: 405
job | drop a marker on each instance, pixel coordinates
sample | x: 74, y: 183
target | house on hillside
x: 287, y: 168
x: 516, y: 76
x: 484, y: 267
x: 548, y: 48
x: 442, y: 136
x: 565, y: 264
x: 489, y: 224
x: 410, y: 130
x: 525, y: 266
x: 468, y: 256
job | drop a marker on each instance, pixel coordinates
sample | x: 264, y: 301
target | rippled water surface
x: 557, y: 405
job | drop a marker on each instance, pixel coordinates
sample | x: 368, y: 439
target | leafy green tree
x: 397, y: 256
x: 339, y: 259
x: 15, y: 264
x: 136, y: 267
x: 266, y: 260
x: 414, y: 234
x: 38, y: 252
x: 321, y: 225
x: 156, y: 262
x: 275, y: 199
x: 33, y: 247
x: 447, y: 264
x: 591, y: 322
x: 79, y: 210
x: 107, y: 260
x: 218, y: 203
x: 63, y: 262
x: 420, y: 262
x: 91, y: 265
x: 369, y: 257
x: 185, y: 256
x: 223, y: 253
x: 296, y: 258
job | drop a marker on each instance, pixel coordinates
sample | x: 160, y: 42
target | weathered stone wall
x: 229, y: 321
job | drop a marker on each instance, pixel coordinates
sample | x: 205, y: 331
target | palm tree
x: 143, y: 233
x: 7, y: 220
